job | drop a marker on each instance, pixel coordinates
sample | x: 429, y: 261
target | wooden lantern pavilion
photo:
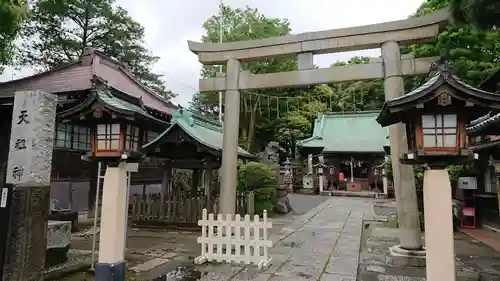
x: 436, y: 115
x: 118, y: 124
x: 103, y: 110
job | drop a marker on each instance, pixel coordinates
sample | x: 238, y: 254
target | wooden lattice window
x: 439, y: 131
x: 63, y: 135
x: 81, y: 138
x: 149, y: 136
x: 132, y: 138
x: 72, y: 137
x: 108, y: 137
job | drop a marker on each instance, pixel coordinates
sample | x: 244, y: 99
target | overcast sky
x: 170, y: 23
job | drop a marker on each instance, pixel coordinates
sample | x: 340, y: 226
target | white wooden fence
x: 239, y: 241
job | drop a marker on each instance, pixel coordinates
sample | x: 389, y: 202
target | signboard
x: 3, y: 198
x: 31, y: 139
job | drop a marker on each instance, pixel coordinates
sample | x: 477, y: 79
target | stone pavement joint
x: 322, y: 244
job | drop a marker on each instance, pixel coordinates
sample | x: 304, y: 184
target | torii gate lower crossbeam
x: 389, y: 36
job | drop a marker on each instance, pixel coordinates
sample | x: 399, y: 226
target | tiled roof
x: 120, y: 105
x: 440, y: 75
x: 205, y: 131
x: 483, y: 122
x: 348, y: 132
x: 113, y: 100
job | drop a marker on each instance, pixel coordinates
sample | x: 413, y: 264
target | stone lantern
x: 288, y: 174
x: 435, y: 116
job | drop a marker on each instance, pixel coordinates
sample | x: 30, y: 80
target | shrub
x: 261, y: 179
x: 254, y: 175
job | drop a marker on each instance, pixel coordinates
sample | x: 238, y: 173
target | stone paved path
x: 322, y: 244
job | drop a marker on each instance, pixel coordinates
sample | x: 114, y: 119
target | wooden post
x: 29, y: 167
x: 143, y: 200
x: 70, y: 204
x: 251, y: 203
x: 207, y: 187
x: 195, y: 180
x: 167, y: 174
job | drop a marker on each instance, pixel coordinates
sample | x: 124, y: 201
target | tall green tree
x: 288, y: 115
x: 238, y: 25
x: 474, y: 54
x: 59, y: 30
x: 359, y: 95
x: 12, y: 17
x: 484, y: 14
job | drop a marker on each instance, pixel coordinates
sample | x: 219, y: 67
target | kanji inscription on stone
x: 31, y: 140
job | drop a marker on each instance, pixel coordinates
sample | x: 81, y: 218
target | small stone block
x: 376, y: 268
x: 149, y: 265
x: 372, y: 259
x: 398, y: 278
x: 343, y: 266
x: 336, y: 277
x: 406, y: 261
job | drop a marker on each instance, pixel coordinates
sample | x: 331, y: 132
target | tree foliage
x: 260, y: 179
x: 474, y: 54
x: 289, y: 116
x: 484, y: 14
x: 238, y: 25
x: 12, y: 17
x: 59, y: 30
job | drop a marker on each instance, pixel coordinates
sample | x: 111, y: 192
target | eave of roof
x: 482, y: 123
x: 103, y: 94
x: 193, y: 125
x: 423, y: 93
x: 87, y: 58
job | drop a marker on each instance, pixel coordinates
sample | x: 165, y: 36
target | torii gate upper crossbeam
x: 409, y: 31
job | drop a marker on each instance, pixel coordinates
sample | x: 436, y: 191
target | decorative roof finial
x: 440, y: 66
x: 88, y: 51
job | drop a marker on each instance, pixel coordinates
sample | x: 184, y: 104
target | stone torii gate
x: 392, y: 67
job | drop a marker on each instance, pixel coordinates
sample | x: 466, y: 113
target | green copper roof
x: 206, y: 132
x: 348, y: 132
x: 398, y: 109
x: 120, y: 105
x: 110, y: 98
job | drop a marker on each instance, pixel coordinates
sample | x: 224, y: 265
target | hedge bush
x: 261, y: 179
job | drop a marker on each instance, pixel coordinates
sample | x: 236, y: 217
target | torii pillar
x: 404, y: 181
x: 230, y: 139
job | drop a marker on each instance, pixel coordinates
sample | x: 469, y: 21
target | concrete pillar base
x: 110, y: 271
x: 403, y: 257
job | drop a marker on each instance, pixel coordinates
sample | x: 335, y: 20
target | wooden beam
x: 191, y: 164
x: 301, y: 78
